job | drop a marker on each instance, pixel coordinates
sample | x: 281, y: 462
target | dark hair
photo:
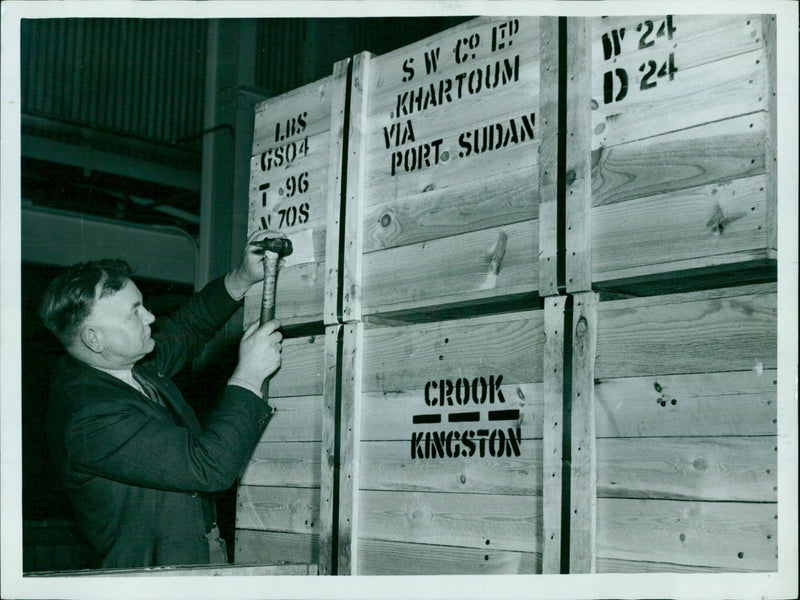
x: 70, y: 297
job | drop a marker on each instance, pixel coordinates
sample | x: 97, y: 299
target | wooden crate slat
x: 302, y: 368
x: 350, y: 460
x: 710, y: 153
x: 296, y: 419
x: 548, y: 159
x: 380, y: 557
x: 290, y: 509
x: 702, y: 335
x: 295, y: 464
x: 275, y: 547
x: 328, y: 449
x: 466, y: 206
x: 711, y: 92
x: 506, y: 522
x: 583, y: 451
x: 553, y: 471
x: 459, y: 268
x: 712, y: 220
x: 706, y: 38
x: 708, y: 534
x: 389, y: 466
x: 723, y: 469
x: 705, y: 404
x: 508, y: 345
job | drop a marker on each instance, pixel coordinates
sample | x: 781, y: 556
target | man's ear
x: 92, y: 339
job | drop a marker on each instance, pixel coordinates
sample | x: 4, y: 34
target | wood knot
x: 581, y: 327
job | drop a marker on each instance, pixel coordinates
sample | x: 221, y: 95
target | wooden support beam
x: 349, y: 453
x: 553, y: 431
x: 327, y: 498
x: 548, y: 158
x: 355, y: 184
x: 333, y: 239
x: 583, y: 477
x: 578, y: 169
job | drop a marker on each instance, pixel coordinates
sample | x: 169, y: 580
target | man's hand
x: 259, y: 354
x: 251, y: 269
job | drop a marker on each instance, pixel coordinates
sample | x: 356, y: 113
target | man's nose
x: 148, y: 317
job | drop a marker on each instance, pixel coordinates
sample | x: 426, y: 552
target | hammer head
x: 278, y: 245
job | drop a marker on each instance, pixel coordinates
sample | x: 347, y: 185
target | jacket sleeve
x: 181, y: 336
x: 117, y: 441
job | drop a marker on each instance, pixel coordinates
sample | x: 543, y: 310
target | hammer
x: 274, y: 249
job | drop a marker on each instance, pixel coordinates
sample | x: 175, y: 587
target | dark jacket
x: 138, y: 474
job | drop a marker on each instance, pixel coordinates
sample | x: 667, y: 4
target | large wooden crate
x: 441, y: 447
x: 670, y: 166
x: 443, y: 195
x: 278, y: 515
x: 295, y: 172
x: 674, y: 460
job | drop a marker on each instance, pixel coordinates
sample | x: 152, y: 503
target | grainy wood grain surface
x: 380, y: 557
x: 474, y: 520
x: 276, y: 547
x: 689, y: 468
x: 553, y: 433
x: 722, y: 536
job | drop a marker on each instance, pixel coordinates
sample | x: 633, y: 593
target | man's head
x: 96, y: 311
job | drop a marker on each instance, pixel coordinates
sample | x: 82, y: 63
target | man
x: 137, y: 465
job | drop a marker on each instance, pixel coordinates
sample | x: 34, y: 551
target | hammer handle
x: 268, y: 293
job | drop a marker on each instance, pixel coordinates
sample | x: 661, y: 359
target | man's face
x: 122, y: 325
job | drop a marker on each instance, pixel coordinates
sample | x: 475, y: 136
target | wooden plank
x: 302, y: 368
x: 192, y: 571
x: 548, y: 159
x: 502, y: 197
x: 380, y: 557
x: 472, y: 520
x: 578, y: 168
x: 278, y: 508
x: 295, y: 419
x: 352, y: 245
x: 349, y: 449
x: 723, y: 469
x: 701, y: 224
x: 295, y: 464
x: 691, y: 333
x: 583, y: 468
x: 500, y: 261
x: 769, y: 34
x: 334, y: 200
x: 389, y: 416
x: 705, y: 404
x: 553, y: 432
x: 690, y: 158
x: 405, y: 358
x: 720, y: 536
x: 388, y: 466
x: 328, y: 473
x: 275, y: 547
